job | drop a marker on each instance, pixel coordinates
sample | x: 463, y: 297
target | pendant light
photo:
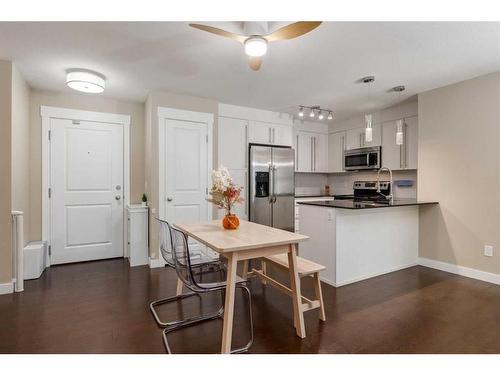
x: 301, y: 112
x: 399, y: 123
x: 368, y: 118
x: 320, y: 116
x: 330, y: 116
x: 311, y: 114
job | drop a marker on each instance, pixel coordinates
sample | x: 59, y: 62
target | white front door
x: 186, y: 162
x: 86, y: 181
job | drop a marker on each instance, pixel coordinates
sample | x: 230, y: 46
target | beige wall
x: 459, y: 166
x: 90, y: 103
x: 5, y: 168
x: 168, y: 100
x: 21, y: 148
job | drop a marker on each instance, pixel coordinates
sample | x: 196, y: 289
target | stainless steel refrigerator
x: 272, y: 186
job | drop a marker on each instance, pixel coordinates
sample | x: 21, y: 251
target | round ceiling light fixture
x: 255, y: 46
x: 85, y: 81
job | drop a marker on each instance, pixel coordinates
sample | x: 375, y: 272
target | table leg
x: 227, y: 328
x: 296, y: 294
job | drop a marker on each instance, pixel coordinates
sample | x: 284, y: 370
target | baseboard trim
x: 473, y: 273
x: 156, y: 263
x: 366, y: 277
x: 7, y: 288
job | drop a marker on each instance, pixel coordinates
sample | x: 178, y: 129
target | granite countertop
x: 359, y: 205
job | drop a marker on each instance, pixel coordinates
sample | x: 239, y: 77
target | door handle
x: 118, y: 197
x: 269, y: 135
x: 169, y: 199
x: 274, y: 136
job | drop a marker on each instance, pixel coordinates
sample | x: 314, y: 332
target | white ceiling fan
x: 257, y: 38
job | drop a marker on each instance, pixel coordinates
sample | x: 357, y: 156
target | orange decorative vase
x: 230, y: 221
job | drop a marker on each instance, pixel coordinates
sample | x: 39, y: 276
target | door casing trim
x: 47, y: 113
x: 181, y: 115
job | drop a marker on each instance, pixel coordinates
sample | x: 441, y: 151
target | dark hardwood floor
x: 102, y: 307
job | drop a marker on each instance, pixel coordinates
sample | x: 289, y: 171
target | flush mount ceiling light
x: 315, y: 110
x: 85, y: 81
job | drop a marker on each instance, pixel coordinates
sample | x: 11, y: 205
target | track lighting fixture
x: 315, y: 110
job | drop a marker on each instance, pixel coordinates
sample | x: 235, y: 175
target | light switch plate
x: 488, y: 250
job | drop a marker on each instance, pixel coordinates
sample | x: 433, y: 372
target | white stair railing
x: 17, y: 250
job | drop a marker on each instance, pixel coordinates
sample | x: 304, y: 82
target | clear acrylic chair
x: 184, y: 268
x: 201, y: 264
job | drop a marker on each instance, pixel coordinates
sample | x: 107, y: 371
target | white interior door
x: 86, y: 181
x: 186, y: 174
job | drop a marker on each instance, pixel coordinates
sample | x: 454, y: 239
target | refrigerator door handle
x: 271, y: 183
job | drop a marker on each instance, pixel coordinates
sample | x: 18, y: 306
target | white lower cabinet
x: 400, y: 156
x: 137, y: 235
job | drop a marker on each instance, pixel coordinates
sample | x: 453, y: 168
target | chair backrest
x: 182, y: 259
x: 165, y: 241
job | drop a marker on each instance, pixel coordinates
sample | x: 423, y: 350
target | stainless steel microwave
x: 362, y: 158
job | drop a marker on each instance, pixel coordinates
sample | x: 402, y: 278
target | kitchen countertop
x: 359, y: 205
x: 313, y: 196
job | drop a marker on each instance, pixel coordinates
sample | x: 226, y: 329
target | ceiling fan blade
x: 216, y: 31
x: 293, y: 30
x: 255, y: 62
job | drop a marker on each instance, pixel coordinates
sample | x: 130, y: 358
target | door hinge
x: 50, y: 134
x: 50, y: 193
x: 50, y: 250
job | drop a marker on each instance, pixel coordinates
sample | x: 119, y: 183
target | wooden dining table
x: 249, y: 241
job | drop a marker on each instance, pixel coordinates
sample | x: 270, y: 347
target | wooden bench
x: 306, y: 268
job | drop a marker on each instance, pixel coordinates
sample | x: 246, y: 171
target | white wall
x: 459, y: 166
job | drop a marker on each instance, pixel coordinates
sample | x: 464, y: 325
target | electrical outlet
x: 488, y: 250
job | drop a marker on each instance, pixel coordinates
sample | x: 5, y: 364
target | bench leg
x: 179, y: 287
x: 244, y: 270
x: 319, y: 296
x: 264, y: 270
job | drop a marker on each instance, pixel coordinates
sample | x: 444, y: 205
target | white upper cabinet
x: 336, y: 146
x: 232, y: 143
x: 282, y: 135
x: 321, y: 153
x: 411, y: 138
x: 355, y: 138
x: 311, y: 152
x: 270, y: 134
x: 404, y: 156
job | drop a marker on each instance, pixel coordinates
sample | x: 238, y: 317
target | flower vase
x: 230, y: 221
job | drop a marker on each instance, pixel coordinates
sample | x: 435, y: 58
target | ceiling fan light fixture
x: 85, y: 81
x: 256, y: 46
x: 301, y: 112
x: 320, y: 116
x: 311, y: 114
x: 330, y: 116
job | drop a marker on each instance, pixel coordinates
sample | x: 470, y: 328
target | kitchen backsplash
x: 306, y: 183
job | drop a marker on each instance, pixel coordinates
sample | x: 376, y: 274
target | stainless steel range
x: 368, y: 191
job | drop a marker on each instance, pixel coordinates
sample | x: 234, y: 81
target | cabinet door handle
x: 269, y: 131
x: 274, y: 135
x: 405, y: 143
